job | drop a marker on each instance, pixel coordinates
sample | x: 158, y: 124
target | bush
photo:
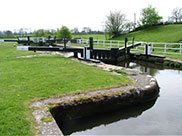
x: 150, y: 16
x: 64, y: 32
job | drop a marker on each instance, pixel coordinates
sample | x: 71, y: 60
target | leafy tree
x: 64, y: 32
x: 44, y: 33
x: 150, y: 16
x: 40, y: 33
x: 115, y: 23
x: 177, y: 14
x: 8, y: 33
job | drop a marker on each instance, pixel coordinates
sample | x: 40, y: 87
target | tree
x: 75, y: 30
x: 115, y: 23
x: 177, y: 14
x: 64, y: 32
x: 8, y: 33
x: 129, y: 26
x: 44, y: 33
x: 86, y: 30
x: 40, y: 33
x: 150, y: 16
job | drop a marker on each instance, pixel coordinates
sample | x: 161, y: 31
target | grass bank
x: 25, y: 79
x: 162, y: 33
x: 95, y: 36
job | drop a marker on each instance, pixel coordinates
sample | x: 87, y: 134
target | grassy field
x: 164, y: 33
x: 95, y: 36
x: 24, y: 79
x: 173, y: 56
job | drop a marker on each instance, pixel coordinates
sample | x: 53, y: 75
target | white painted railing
x: 103, y: 43
x: 162, y: 48
x: 1, y: 42
x: 155, y: 47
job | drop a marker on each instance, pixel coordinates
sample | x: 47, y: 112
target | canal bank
x: 161, y: 118
x: 154, y: 59
x: 143, y: 90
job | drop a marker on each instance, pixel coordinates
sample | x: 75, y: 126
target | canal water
x: 162, y: 116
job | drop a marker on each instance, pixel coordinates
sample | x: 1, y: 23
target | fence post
x: 64, y: 42
x: 165, y: 48
x: 133, y: 40
x: 152, y: 47
x: 91, y: 43
x: 104, y: 43
x: 146, y: 49
x: 97, y: 43
x: 180, y: 49
x: 91, y: 47
x: 28, y: 38
x: 125, y: 45
x: 110, y: 43
x: 86, y: 42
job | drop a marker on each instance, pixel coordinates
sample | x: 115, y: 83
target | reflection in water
x: 82, y: 124
x: 162, y: 118
x: 147, y: 67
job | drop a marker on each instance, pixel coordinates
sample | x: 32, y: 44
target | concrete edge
x: 51, y: 128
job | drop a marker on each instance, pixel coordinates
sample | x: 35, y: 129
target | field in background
x: 162, y: 33
x: 160, y: 38
x: 95, y: 36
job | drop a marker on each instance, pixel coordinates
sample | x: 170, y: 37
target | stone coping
x: 47, y: 124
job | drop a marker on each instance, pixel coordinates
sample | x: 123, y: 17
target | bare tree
x: 129, y: 26
x: 86, y: 30
x: 75, y: 30
x: 115, y: 23
x: 177, y: 14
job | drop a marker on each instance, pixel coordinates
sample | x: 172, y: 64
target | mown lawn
x: 163, y: 33
x: 95, y: 36
x: 23, y: 80
x: 173, y: 56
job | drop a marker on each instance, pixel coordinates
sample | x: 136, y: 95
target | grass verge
x: 163, y: 33
x: 25, y: 79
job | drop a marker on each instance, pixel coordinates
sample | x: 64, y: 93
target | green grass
x: 163, y: 33
x: 95, y: 36
x: 24, y: 79
x: 173, y: 56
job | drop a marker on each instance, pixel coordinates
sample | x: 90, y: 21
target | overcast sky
x: 52, y: 14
